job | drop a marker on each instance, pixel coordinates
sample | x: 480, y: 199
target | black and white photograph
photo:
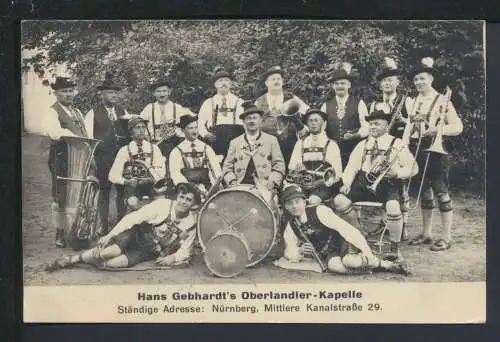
x: 207, y: 152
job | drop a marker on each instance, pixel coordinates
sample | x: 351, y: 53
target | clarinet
x: 315, y: 253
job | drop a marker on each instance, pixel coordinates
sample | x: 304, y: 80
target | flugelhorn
x: 397, y: 115
x: 380, y: 169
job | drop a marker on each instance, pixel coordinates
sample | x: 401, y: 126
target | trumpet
x: 380, y: 169
x: 306, y: 179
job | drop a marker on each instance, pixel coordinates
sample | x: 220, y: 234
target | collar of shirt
x: 218, y: 98
x: 276, y: 100
x: 430, y: 96
x: 186, y: 145
x: 390, y: 98
x: 319, y: 138
x: 342, y: 100
x: 67, y: 109
x: 383, y: 141
x: 146, y: 146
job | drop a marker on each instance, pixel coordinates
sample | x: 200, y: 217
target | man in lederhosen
x: 192, y: 160
x: 429, y: 106
x: 346, y: 123
x: 162, y: 117
x: 218, y: 119
x: 316, y: 152
x: 108, y: 122
x: 388, y: 78
x: 61, y: 119
x: 378, y: 148
x: 287, y: 130
x: 136, y: 188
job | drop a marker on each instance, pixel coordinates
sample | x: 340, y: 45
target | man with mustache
x: 346, y: 123
x: 429, y: 106
x: 316, y: 152
x: 388, y: 78
x: 379, y: 146
x: 107, y: 121
x: 162, y: 117
x: 192, y: 160
x: 138, y: 149
x: 287, y: 130
x: 164, y: 230
x: 61, y: 119
x: 218, y: 119
x: 254, y: 157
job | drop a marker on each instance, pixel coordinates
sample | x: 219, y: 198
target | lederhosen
x: 388, y: 189
x: 58, y: 154
x: 438, y: 167
x: 327, y: 242
x: 274, y: 121
x: 196, y: 175
x: 145, y: 189
x: 167, y: 145
x: 398, y: 128
x: 224, y: 133
x: 336, y: 128
x: 322, y: 191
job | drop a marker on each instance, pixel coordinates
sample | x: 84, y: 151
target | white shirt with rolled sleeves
x: 176, y: 163
x: 205, y: 116
x: 452, y: 124
x: 51, y: 127
x: 362, y: 111
x: 405, y: 167
x: 89, y: 118
x: 329, y: 219
x: 116, y: 172
x: 332, y: 154
x: 156, y: 212
x: 147, y: 114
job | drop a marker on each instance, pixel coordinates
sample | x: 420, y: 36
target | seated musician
x: 164, y: 230
x: 316, y: 152
x: 143, y: 152
x: 317, y: 230
x: 192, y: 160
x: 378, y: 153
x: 254, y: 157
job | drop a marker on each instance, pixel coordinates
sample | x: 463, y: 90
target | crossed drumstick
x: 230, y: 225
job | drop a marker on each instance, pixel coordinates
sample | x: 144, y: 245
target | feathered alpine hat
x: 342, y: 71
x: 389, y: 68
x: 425, y: 65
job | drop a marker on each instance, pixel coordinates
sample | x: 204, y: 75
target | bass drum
x: 242, y: 209
x: 227, y: 254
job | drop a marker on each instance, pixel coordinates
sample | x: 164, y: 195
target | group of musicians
x: 262, y: 143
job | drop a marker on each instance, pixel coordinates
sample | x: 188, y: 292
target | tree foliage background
x: 138, y: 52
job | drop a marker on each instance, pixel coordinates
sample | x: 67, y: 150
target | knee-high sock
x: 87, y: 256
x: 349, y: 215
x: 395, y: 228
x: 427, y: 221
x: 56, y: 217
x: 447, y: 221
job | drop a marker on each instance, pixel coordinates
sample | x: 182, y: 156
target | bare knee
x: 352, y: 260
x: 341, y: 202
x: 335, y: 265
x: 120, y: 261
x: 393, y: 208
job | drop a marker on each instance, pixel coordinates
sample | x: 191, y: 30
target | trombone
x: 437, y: 144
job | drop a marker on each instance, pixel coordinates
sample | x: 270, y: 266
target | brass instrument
x: 290, y: 112
x: 380, y: 169
x: 397, y: 115
x: 306, y: 179
x: 82, y: 192
x: 144, y: 174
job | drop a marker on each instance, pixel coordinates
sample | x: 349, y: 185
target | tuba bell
x: 82, y: 192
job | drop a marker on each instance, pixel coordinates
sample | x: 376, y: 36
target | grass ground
x: 466, y: 260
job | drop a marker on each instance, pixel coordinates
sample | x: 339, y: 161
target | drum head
x: 226, y: 255
x: 243, y: 210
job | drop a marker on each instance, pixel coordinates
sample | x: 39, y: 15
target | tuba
x: 307, y: 179
x: 82, y: 192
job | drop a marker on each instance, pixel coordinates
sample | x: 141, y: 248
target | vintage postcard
x: 254, y: 171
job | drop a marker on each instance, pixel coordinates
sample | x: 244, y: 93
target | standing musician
x: 318, y: 231
x: 429, y: 106
x: 218, y: 119
x: 384, y: 157
x: 107, y: 122
x: 162, y: 117
x: 163, y: 230
x: 286, y: 129
x: 254, y: 157
x: 390, y: 101
x: 192, y: 160
x: 316, y: 152
x: 346, y: 123
x: 61, y: 119
x: 147, y: 154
